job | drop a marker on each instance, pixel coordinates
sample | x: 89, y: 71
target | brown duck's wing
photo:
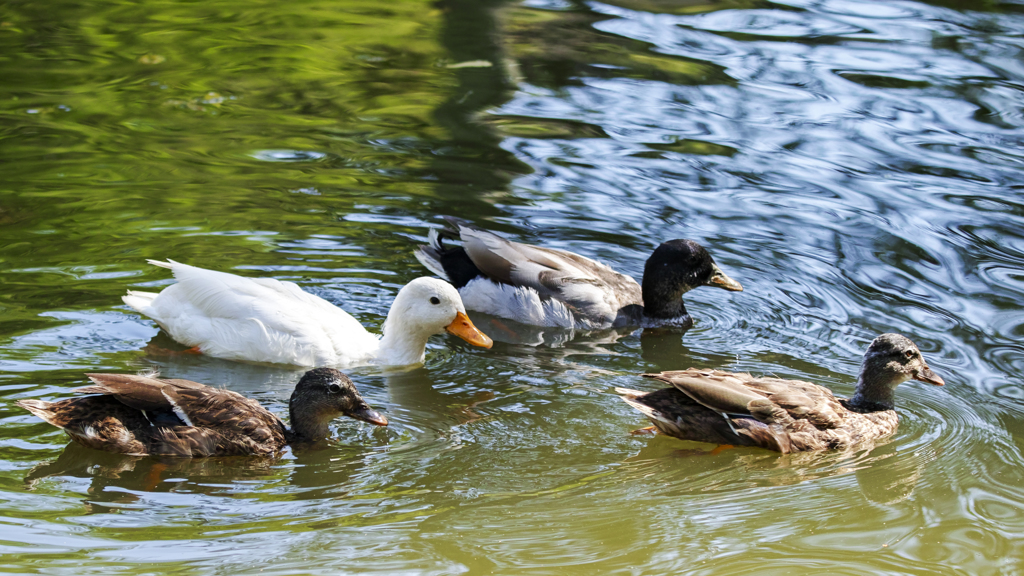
x: 803, y: 401
x: 139, y: 392
x: 179, y: 383
x: 216, y: 421
x: 714, y: 389
x: 675, y: 414
x: 193, y: 403
x: 240, y: 421
x: 770, y: 400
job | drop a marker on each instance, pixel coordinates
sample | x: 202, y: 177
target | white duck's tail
x: 430, y: 256
x: 141, y: 302
x: 170, y: 264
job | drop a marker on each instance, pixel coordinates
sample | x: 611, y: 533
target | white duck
x: 267, y: 320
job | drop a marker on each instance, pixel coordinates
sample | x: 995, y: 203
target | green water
x: 856, y: 165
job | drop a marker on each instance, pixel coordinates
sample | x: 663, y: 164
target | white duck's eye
x: 435, y: 300
x: 334, y: 388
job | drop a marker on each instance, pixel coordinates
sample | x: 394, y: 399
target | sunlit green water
x: 855, y: 165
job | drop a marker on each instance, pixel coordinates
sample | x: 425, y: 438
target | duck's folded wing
x: 194, y: 404
x: 215, y: 405
x: 147, y: 394
x: 770, y: 400
x: 803, y: 400
x: 594, y: 289
x: 277, y: 304
x: 713, y: 389
x: 515, y: 263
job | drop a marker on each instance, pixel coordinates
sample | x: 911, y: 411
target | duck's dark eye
x: 909, y: 354
x: 334, y: 388
x: 435, y: 300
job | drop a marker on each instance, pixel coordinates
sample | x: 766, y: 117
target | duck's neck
x: 876, y: 390
x: 662, y: 301
x: 402, y: 344
x: 309, y: 423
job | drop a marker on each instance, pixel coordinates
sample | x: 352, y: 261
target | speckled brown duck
x: 784, y: 415
x: 139, y: 415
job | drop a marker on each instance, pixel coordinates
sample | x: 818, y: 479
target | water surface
x: 856, y: 165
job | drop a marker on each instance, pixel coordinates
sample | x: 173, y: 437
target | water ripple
x: 855, y: 164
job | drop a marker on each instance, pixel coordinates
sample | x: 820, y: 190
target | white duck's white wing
x: 261, y: 319
x: 592, y: 291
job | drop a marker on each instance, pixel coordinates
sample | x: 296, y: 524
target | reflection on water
x: 857, y: 163
x: 125, y: 475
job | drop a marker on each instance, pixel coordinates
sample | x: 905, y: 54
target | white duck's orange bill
x: 463, y: 327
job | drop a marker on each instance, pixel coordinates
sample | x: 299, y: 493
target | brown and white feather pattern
x: 783, y: 415
x: 140, y: 415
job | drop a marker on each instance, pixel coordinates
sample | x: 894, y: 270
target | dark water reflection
x: 856, y: 165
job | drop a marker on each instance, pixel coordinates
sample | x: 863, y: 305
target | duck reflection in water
x: 432, y: 404
x: 115, y: 478
x: 882, y: 479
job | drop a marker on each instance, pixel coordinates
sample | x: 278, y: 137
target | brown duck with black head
x: 140, y: 415
x: 784, y: 415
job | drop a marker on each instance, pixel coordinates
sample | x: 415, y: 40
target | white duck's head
x: 424, y: 307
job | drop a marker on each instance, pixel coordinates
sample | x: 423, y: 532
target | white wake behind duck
x: 269, y: 320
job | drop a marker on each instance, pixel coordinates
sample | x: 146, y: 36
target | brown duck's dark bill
x: 463, y: 327
x: 926, y: 375
x: 367, y: 414
x: 720, y: 280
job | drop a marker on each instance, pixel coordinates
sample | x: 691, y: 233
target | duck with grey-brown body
x: 548, y: 287
x: 784, y: 415
x: 140, y: 415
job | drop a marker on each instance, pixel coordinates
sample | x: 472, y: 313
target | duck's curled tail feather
x: 430, y: 255
x: 169, y: 264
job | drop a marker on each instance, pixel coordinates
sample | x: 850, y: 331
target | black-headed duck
x: 556, y: 288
